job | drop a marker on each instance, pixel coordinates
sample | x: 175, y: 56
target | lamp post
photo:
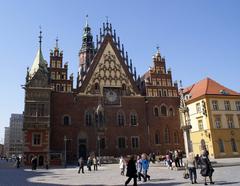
x: 65, y: 151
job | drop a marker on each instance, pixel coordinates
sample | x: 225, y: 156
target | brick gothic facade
x: 111, y: 112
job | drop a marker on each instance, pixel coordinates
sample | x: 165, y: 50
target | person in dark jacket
x: 81, y: 165
x: 131, y: 171
x: 206, y: 167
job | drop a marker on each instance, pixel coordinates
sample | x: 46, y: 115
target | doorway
x: 82, y: 148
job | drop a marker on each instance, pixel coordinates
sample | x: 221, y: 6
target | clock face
x: 111, y: 96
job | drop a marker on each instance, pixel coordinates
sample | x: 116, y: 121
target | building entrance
x: 82, y: 148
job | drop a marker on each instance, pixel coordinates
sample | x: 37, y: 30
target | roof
x: 208, y: 86
x: 38, y: 62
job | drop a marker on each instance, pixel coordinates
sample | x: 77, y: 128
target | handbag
x: 185, y: 174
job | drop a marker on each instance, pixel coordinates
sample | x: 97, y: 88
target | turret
x: 86, y: 52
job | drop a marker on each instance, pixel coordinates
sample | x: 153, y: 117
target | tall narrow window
x: 200, y: 125
x: 163, y: 110
x: 176, y: 139
x: 135, y: 142
x: 102, y: 143
x: 157, y: 138
x: 36, y: 139
x: 230, y: 121
x: 170, y: 112
x: 237, y: 105
x: 133, y: 119
x: 221, y: 145
x: 96, y: 88
x: 121, y: 143
x: 88, y: 119
x: 156, y: 111
x: 215, y: 105
x: 227, y: 105
x: 166, y: 136
x: 66, y: 120
x: 234, y: 145
x: 198, y: 108
x: 217, y: 122
x: 120, y: 119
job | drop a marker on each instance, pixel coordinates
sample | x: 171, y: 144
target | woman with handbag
x: 206, y: 167
x: 191, y: 165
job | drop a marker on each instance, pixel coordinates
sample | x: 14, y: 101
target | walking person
x: 145, y: 166
x: 191, y: 165
x: 94, y: 163
x: 169, y: 160
x: 139, y: 168
x: 81, y: 165
x: 122, y: 165
x: 89, y: 163
x: 34, y: 162
x: 18, y: 162
x: 206, y: 167
x: 131, y: 171
x: 180, y: 156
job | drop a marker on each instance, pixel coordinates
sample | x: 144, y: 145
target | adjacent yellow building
x: 214, y: 113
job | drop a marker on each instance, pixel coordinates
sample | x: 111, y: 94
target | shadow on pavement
x: 226, y: 183
x: 21, y: 177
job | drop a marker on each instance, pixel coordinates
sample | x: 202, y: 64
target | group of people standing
x: 175, y: 156
x: 192, y: 164
x: 90, y: 161
x: 137, y: 168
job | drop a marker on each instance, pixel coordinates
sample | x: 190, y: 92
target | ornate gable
x: 108, y: 70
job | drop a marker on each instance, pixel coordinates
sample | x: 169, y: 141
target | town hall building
x: 111, y: 111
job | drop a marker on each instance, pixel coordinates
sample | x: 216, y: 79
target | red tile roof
x: 208, y: 86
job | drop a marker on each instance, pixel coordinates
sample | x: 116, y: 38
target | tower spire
x: 40, y: 38
x: 86, y: 20
x: 57, y: 42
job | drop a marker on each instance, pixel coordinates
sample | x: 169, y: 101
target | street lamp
x: 65, y: 150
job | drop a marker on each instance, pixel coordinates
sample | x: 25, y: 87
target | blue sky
x: 197, y: 38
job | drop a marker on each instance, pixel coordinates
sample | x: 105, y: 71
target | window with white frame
x: 200, y: 124
x: 217, y: 121
x: 135, y: 142
x: 198, y: 108
x: 227, y: 105
x: 237, y: 105
x: 230, y: 121
x: 215, y: 105
x: 36, y: 139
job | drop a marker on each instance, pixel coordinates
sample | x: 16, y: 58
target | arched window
x: 157, y: 138
x: 163, y: 110
x: 156, y: 113
x: 171, y: 112
x: 234, y: 145
x: 88, y: 118
x: 133, y: 119
x: 175, y: 137
x: 66, y: 120
x: 120, y: 119
x: 221, y: 145
x: 166, y: 136
x: 96, y: 88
